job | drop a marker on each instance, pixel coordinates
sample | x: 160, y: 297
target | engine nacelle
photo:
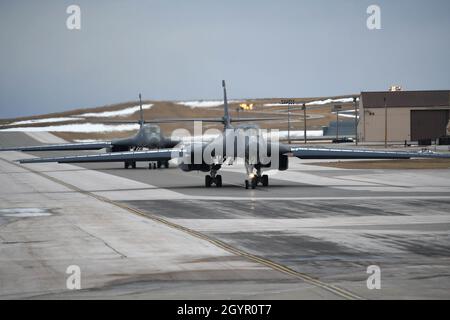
x: 187, y: 163
x: 194, y: 167
x: 283, y: 163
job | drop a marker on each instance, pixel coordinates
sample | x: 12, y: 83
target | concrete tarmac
x: 159, y: 234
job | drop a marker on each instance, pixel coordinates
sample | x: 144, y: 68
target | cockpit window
x: 152, y: 129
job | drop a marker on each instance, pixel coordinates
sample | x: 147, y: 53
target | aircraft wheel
x: 159, y: 164
x: 154, y: 166
x: 133, y: 164
x: 254, y: 182
x: 219, y: 181
x: 208, y: 181
x: 246, y: 184
x: 126, y: 165
x: 150, y: 166
x: 166, y: 164
x: 265, y: 180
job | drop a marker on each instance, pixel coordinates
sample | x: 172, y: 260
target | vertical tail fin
x: 226, y: 116
x: 141, y: 121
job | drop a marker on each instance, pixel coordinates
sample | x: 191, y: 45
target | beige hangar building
x: 411, y: 115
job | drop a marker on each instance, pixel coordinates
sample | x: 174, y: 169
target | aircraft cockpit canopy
x: 152, y: 129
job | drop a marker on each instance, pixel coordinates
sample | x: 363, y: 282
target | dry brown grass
x: 167, y: 109
x: 413, y: 164
x: 77, y: 111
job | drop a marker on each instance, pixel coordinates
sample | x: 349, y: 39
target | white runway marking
x: 24, y: 212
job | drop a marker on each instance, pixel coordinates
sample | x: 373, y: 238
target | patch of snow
x: 313, y: 103
x: 273, y: 134
x: 87, y: 140
x: 327, y: 101
x: 346, y: 113
x: 116, y: 113
x: 79, y: 127
x: 46, y: 120
x: 204, y: 103
x: 187, y: 139
x: 296, y: 134
x: 281, y: 105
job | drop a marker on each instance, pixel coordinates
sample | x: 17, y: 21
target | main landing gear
x: 158, y: 164
x: 128, y: 164
x: 254, y: 179
x: 213, y: 177
x: 151, y: 165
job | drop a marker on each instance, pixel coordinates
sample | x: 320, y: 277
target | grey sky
x: 183, y: 49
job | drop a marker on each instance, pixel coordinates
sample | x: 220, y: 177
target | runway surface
x: 159, y: 234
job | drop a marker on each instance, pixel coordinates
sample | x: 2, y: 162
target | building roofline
x: 406, y: 91
x: 423, y: 98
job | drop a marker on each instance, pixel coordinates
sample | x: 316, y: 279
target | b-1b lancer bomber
x: 246, y: 142
x: 149, y: 136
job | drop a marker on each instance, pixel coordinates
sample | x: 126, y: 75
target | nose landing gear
x: 210, y: 180
x: 254, y: 179
x: 251, y: 183
x: 213, y: 178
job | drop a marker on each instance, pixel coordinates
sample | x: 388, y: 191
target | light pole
x: 356, y: 120
x: 385, y: 123
x: 289, y: 123
x: 304, y: 123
